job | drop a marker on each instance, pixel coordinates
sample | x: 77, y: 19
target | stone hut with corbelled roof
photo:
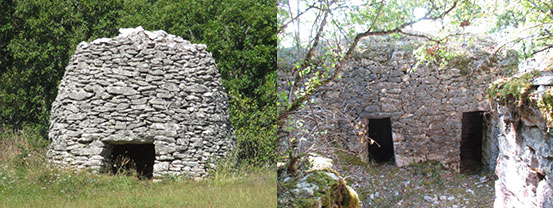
x: 418, y: 112
x: 144, y: 100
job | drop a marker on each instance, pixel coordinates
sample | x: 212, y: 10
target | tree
x: 37, y: 38
x: 525, y: 25
x: 337, y: 29
x: 314, y: 57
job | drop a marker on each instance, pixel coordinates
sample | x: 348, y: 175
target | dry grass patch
x: 27, y: 181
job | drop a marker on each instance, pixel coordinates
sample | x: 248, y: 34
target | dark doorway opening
x: 380, y: 130
x: 127, y: 157
x: 471, y: 141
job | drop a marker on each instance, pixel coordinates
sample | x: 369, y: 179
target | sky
x: 306, y: 22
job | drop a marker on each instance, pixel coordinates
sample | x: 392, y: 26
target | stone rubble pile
x: 141, y: 87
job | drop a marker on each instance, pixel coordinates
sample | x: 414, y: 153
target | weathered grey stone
x: 165, y: 95
x: 544, y: 195
x: 306, y: 185
x: 157, y: 101
x: 524, y: 163
x: 165, y: 149
x: 131, y: 89
x: 122, y: 106
x: 80, y: 95
x: 161, y: 166
x: 76, y: 116
x: 425, y: 106
x: 171, y: 87
x: 164, y: 138
x: 544, y: 80
x: 122, y: 90
x: 197, y: 88
x: 146, y: 88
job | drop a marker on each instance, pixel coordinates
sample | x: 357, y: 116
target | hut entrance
x: 133, y: 157
x: 381, y: 131
x: 471, y: 141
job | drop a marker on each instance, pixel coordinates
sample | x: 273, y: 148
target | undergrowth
x: 426, y: 184
x: 27, y: 181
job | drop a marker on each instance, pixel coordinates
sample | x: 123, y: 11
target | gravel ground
x: 420, y: 185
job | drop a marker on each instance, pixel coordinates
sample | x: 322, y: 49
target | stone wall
x: 141, y: 87
x: 425, y: 106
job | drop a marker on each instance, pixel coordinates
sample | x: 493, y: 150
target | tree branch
x: 338, y: 68
x: 420, y: 36
x: 308, y: 56
x: 284, y: 25
x: 511, y: 41
x: 541, y: 50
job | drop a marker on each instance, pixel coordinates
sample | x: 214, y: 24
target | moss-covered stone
x: 316, y: 184
x: 342, y: 196
x: 546, y: 106
x: 513, y: 90
x: 519, y: 92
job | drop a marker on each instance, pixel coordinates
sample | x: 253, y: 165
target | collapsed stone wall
x: 425, y: 106
x: 141, y: 87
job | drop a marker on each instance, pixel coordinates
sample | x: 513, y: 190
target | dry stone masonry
x: 425, y: 107
x: 141, y: 87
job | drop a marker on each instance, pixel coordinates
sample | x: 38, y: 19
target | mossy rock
x: 329, y: 190
x: 512, y: 90
x: 316, y: 185
x: 342, y: 196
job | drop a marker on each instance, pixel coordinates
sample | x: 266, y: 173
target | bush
x: 39, y: 36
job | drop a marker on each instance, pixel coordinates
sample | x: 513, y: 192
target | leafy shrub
x: 39, y: 36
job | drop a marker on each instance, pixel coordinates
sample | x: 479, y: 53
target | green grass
x: 27, y: 181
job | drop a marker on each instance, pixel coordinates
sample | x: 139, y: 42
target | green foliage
x: 38, y: 37
x: 41, y: 36
x: 20, y: 147
x: 513, y: 90
x: 444, y: 56
x: 526, y: 24
x: 350, y: 160
x: 545, y: 105
x: 256, y: 143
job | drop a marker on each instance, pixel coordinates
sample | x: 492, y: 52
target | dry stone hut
x: 432, y: 113
x: 148, y: 96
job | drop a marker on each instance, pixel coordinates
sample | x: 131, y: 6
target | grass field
x: 27, y: 181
